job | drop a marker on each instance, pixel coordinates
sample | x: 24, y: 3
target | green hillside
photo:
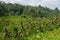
x: 20, y: 22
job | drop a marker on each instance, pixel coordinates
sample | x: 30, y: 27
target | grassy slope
x: 14, y: 21
x: 50, y: 35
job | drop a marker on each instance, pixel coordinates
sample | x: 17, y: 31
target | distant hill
x: 32, y: 11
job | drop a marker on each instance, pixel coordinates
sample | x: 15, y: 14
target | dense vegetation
x: 19, y: 22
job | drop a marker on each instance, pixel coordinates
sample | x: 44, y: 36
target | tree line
x: 7, y: 9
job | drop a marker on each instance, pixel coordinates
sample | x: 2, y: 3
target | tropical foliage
x: 19, y: 22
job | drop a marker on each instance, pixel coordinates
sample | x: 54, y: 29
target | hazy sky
x: 48, y: 3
